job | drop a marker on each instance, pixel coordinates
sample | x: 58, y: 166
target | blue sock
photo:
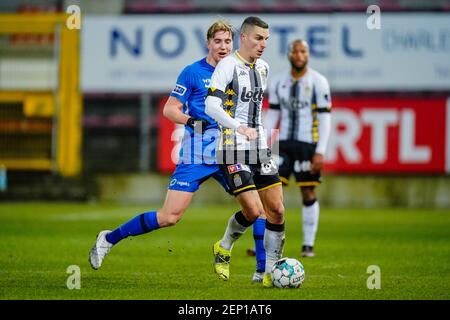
x: 258, y: 235
x: 140, y: 224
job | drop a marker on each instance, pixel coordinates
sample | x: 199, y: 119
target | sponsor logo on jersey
x: 179, y: 90
x: 180, y: 183
x: 238, y: 167
x: 253, y: 95
x: 243, y: 73
x: 294, y: 103
x: 269, y: 168
x: 304, y: 166
x: 207, y: 82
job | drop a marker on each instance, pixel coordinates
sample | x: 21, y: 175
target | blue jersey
x: 191, y: 88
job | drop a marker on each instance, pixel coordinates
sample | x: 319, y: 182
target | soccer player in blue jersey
x: 186, y: 105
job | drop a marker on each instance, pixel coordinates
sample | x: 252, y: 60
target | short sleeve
x: 274, y: 99
x: 222, y: 76
x: 183, y: 87
x: 323, y: 94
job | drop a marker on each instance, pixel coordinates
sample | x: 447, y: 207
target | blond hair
x: 219, y: 25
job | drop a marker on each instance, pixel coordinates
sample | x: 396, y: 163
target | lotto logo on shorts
x: 180, y: 90
x: 238, y: 167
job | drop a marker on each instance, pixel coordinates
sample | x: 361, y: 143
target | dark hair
x: 301, y: 41
x: 252, y: 22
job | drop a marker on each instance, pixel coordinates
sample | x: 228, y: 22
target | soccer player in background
x: 186, y: 105
x: 234, y: 100
x: 299, y: 99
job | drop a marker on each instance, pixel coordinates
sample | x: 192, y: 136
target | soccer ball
x: 288, y: 273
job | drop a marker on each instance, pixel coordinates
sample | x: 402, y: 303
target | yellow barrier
x: 67, y: 102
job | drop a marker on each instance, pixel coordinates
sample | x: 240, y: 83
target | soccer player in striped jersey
x: 186, y: 105
x: 299, y: 99
x: 234, y: 100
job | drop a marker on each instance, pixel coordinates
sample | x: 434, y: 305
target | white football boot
x: 258, y: 277
x: 99, y: 250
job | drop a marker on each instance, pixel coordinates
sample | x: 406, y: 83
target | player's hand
x: 316, y: 163
x: 197, y: 124
x: 250, y: 133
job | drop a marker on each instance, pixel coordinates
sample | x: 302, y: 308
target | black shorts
x: 245, y: 177
x: 295, y: 157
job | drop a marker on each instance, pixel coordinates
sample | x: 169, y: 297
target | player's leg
x: 174, y: 206
x: 183, y: 183
x: 307, y: 183
x: 250, y: 203
x: 239, y: 179
x: 310, y: 217
x: 284, y: 170
x: 259, y: 252
x: 171, y: 212
x: 274, y: 235
x: 251, y: 208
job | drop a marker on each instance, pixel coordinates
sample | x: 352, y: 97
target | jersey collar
x: 248, y: 64
x: 207, y: 65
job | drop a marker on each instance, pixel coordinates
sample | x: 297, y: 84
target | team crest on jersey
x: 307, y: 90
x: 179, y: 90
x: 263, y: 73
x: 238, y: 167
x: 237, y: 180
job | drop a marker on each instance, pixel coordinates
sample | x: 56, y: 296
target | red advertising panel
x: 165, y: 143
x: 368, y: 135
x: 387, y: 136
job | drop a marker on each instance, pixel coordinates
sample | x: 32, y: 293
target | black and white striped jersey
x: 241, y: 86
x: 300, y: 101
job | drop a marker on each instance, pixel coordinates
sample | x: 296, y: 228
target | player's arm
x: 272, y: 116
x: 173, y: 109
x: 215, y: 97
x: 214, y: 110
x: 324, y: 118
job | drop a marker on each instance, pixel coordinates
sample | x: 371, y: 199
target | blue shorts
x: 189, y: 177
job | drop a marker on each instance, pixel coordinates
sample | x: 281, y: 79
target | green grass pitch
x: 39, y: 241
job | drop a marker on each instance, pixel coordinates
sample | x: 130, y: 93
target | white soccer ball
x: 288, y: 273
